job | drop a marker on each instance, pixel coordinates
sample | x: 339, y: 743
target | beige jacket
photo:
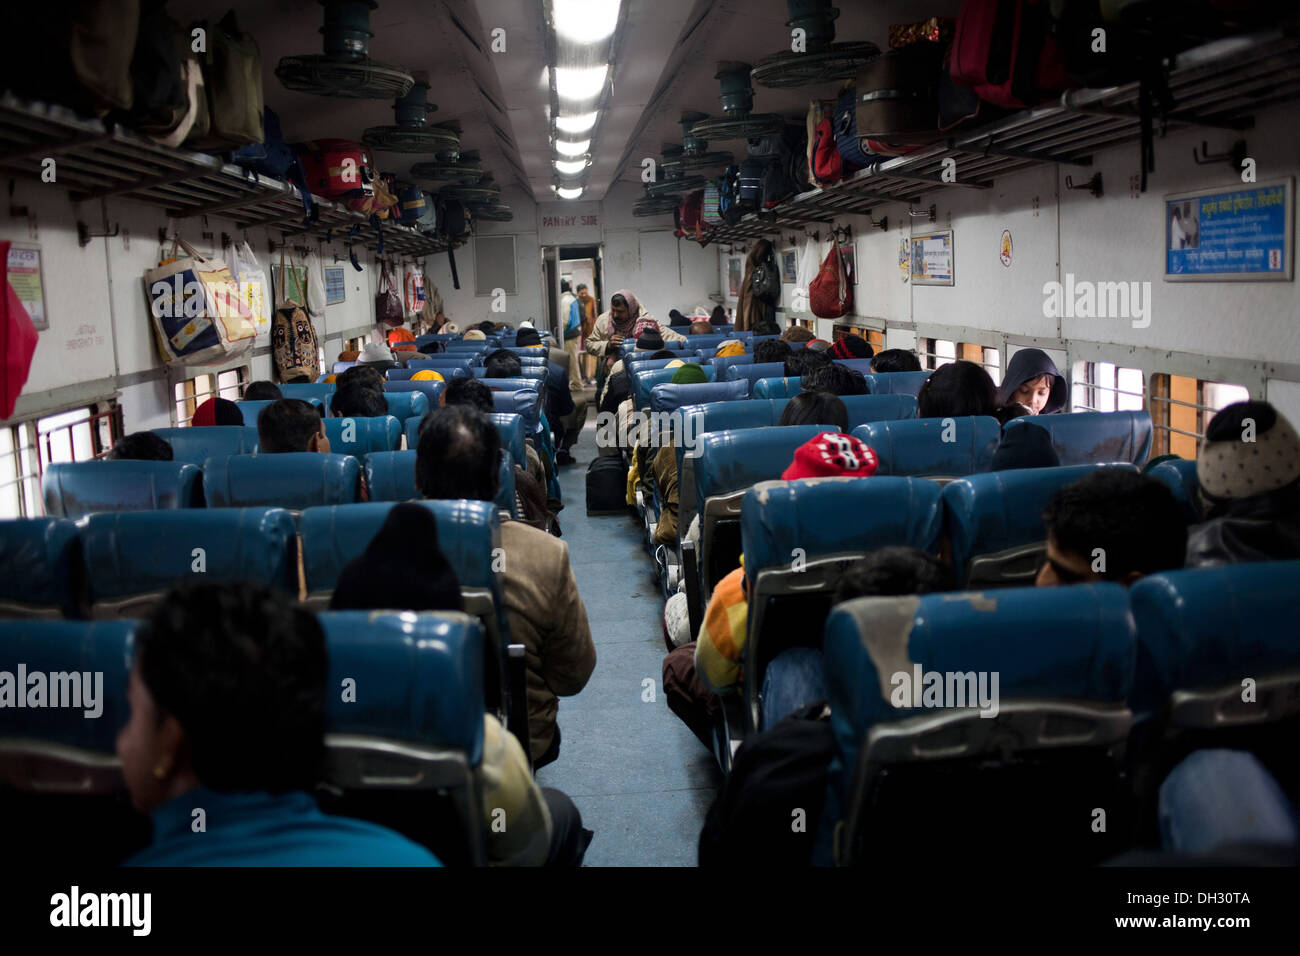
x: 514, y: 810
x: 599, y: 337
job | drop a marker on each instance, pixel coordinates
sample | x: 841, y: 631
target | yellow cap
x: 427, y: 375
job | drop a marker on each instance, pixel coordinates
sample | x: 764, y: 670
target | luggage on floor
x: 607, y: 486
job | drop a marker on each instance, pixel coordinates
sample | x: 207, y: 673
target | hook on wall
x: 84, y: 235
x: 1093, y: 185
x: 845, y: 233
x: 931, y: 214
x: 1234, y: 156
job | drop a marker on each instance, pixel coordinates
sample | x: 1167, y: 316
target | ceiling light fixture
x: 570, y: 168
x: 566, y: 148
x: 567, y: 192
x: 577, y: 83
x: 585, y: 21
x: 575, y: 124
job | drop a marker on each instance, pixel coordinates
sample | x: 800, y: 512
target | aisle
x: 641, y: 779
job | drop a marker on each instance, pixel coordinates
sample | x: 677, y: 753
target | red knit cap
x: 832, y: 454
x: 851, y: 347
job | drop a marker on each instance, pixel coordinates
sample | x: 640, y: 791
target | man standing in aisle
x: 588, y: 310
x: 571, y: 322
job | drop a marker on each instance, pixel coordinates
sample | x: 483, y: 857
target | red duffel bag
x: 830, y: 294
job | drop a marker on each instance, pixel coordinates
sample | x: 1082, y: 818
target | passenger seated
x: 1033, y: 381
x: 503, y: 364
x: 729, y: 348
x: 818, y: 345
x: 365, y: 374
x: 664, y: 466
x: 262, y: 391
x: 1248, y: 469
x: 1112, y: 525
x: 291, y: 425
x: 798, y: 364
x: 815, y: 408
x: 473, y: 393
x: 851, y: 347
x: 836, y: 379
x: 957, y: 390
x: 358, y: 400
x: 140, y: 446
x: 217, y: 411
x: 771, y: 350
x: 895, y: 360
x: 797, y: 333
x: 700, y: 327
x: 403, y: 569
x: 227, y: 700
x: 1020, y: 449
x: 718, y: 316
x: 766, y: 326
x: 458, y: 457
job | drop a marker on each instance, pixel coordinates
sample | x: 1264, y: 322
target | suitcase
x: 1005, y: 51
x: 607, y: 486
x: 749, y: 190
x: 847, y: 141
x: 337, y: 168
x: 898, y: 95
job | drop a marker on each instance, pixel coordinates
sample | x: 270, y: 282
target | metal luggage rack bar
x: 1219, y: 85
x: 97, y: 160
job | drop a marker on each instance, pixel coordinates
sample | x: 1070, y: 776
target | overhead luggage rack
x: 1219, y: 85
x: 97, y: 160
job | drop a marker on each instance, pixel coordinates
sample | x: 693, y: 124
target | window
x: 355, y: 345
x: 193, y: 392
x: 1181, y: 407
x: 28, y: 447
x: 1106, y: 387
x: 939, y: 352
x: 936, y: 353
x: 874, y: 336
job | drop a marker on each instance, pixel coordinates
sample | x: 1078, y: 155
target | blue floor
x: 641, y: 780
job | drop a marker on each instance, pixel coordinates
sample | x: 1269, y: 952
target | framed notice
x: 849, y: 258
x: 334, y: 288
x: 28, y: 283
x: 788, y: 273
x: 1244, y: 234
x: 932, y: 259
x: 295, y: 285
x: 733, y: 277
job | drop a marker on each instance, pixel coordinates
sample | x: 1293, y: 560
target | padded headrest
x: 41, y: 565
x: 73, y: 489
x: 707, y: 340
x: 76, y: 647
x: 750, y: 413
x: 424, y: 673
x: 511, y: 429
x: 380, y: 433
x: 341, y: 367
x: 321, y: 391
x: 861, y: 365
x: 294, y: 480
x: 430, y: 390
x: 888, y: 383
x: 1210, y: 626
x: 197, y: 445
x: 529, y: 356
x: 864, y: 409
x: 833, y: 516
x: 727, y: 361
x: 776, y: 387
x: 524, y: 402
x: 668, y: 397
x: 147, y: 551
x: 644, y: 382
x: 916, y: 446
x: 390, y: 476
x: 753, y: 372
x: 511, y: 384
x: 647, y: 363
x: 251, y: 410
x: 1084, y: 437
x: 992, y: 512
x: 732, y: 460
x: 534, y: 372
x: 1180, y: 477
x: 404, y: 405
x: 434, y: 363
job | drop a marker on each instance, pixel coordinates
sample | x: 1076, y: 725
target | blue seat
x: 197, y: 445
x: 707, y: 340
x: 1180, y: 477
x: 529, y: 355
x: 643, y: 362
x: 524, y: 402
x: 725, y: 416
x: 533, y: 372
x: 380, y: 433
x: 1084, y: 437
x: 995, y: 522
x: 1063, y: 659
x: 417, y: 713
x: 917, y: 448
x: 405, y: 405
x: 828, y: 525
x: 293, y: 480
x: 864, y: 409
x: 251, y: 410
x: 776, y: 387
x: 73, y: 489
x: 321, y: 391
x: 667, y: 397
x: 42, y: 571
x: 510, y: 427
x: 430, y: 390
x: 431, y: 364
x: 643, y: 382
x: 724, y: 363
x: 511, y: 384
x: 390, y: 476
x: 754, y: 371
x: 133, y: 559
x: 889, y: 383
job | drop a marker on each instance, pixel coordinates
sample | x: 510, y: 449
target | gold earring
x: 160, y: 772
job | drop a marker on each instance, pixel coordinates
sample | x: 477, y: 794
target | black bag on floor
x: 607, y: 486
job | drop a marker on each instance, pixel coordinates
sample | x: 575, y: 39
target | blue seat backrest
x: 294, y: 480
x: 916, y: 447
x: 644, y: 382
x: 529, y: 354
x: 999, y: 512
x: 707, y: 340
x: 77, y: 647
x: 777, y: 387
x: 668, y: 397
x: 390, y: 476
x: 434, y: 363
x: 645, y: 364
x: 197, y: 445
x: 731, y: 460
x: 146, y: 552
x: 888, y: 383
x: 864, y: 409
x: 251, y: 410
x: 419, y: 678
x: 1180, y: 477
x: 73, y: 489
x: 509, y: 426
x: 524, y: 402
x: 341, y: 367
x: 381, y: 433
x: 42, y: 571
x: 404, y: 405
x: 723, y: 416
x: 511, y: 384
x: 753, y: 372
x: 727, y: 361
x: 430, y: 390
x: 1203, y: 627
x: 322, y: 391
x: 1082, y: 437
x: 534, y: 372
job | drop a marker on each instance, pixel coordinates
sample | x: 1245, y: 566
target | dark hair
x: 772, y: 350
x: 401, y: 569
x: 766, y: 327
x: 487, y: 326
x: 664, y: 354
x: 617, y: 299
x: 957, y: 390
x: 581, y: 286
x: 358, y: 401
x: 503, y: 364
x: 1012, y: 411
x: 834, y: 378
x: 287, y: 425
x: 468, y: 391
x: 718, y: 316
x: 527, y: 337
x: 815, y: 408
x: 459, y: 455
x: 675, y: 317
x: 564, y: 286
x: 797, y: 333
x: 364, y: 374
x: 432, y: 347
x: 243, y: 670
x: 262, y: 392
x: 799, y: 363
x: 895, y: 570
x: 141, y: 446
x: 1131, y: 517
x: 895, y: 360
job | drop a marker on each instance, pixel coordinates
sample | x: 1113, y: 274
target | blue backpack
x: 847, y: 142
x: 275, y: 158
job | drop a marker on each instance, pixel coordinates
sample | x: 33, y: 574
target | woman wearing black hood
x: 1033, y: 381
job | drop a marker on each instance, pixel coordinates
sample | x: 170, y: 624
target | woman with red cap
x: 217, y: 411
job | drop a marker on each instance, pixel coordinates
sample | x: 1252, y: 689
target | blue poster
x: 334, y: 290
x: 1230, y: 234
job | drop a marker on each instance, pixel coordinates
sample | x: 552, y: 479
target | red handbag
x: 830, y: 294
x: 388, y: 303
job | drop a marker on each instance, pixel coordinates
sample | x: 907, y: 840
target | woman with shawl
x: 625, y: 319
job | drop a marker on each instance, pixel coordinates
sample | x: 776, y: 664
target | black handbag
x: 765, y: 282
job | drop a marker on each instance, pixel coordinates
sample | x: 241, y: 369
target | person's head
x: 1112, y: 525
x: 618, y: 308
x: 227, y: 691
x: 487, y: 327
x: 833, y: 378
x: 675, y: 317
x: 766, y: 327
x: 818, y: 345
x: 718, y: 316
x: 689, y: 374
x: 474, y: 335
x: 503, y: 364
x: 894, y: 571
x: 851, y: 347
x: 291, y: 425
x: 376, y: 352
x: 1025, y: 447
x: 650, y: 340
x: 459, y: 454
x: 360, y: 374
x: 1033, y: 381
x: 797, y: 333
x: 895, y: 360
x: 664, y: 354
x: 526, y: 337
x: 582, y: 291
x: 815, y: 408
x: 565, y: 287
x: 262, y: 392
x: 217, y: 411
x: 701, y: 327
x: 771, y: 350
x: 956, y: 390
x: 800, y: 363
x: 140, y: 446
x: 832, y: 455
x: 427, y: 375
x: 1250, y: 449
x: 402, y: 569
x: 358, y: 400
x: 467, y: 391
x: 1008, y: 413
x: 730, y: 349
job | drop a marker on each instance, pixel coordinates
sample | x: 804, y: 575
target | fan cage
x: 363, y: 79
x: 842, y: 61
x: 408, y: 139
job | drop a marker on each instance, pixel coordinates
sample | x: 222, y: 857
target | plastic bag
x: 316, y: 297
x: 804, y: 273
x: 254, y: 288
